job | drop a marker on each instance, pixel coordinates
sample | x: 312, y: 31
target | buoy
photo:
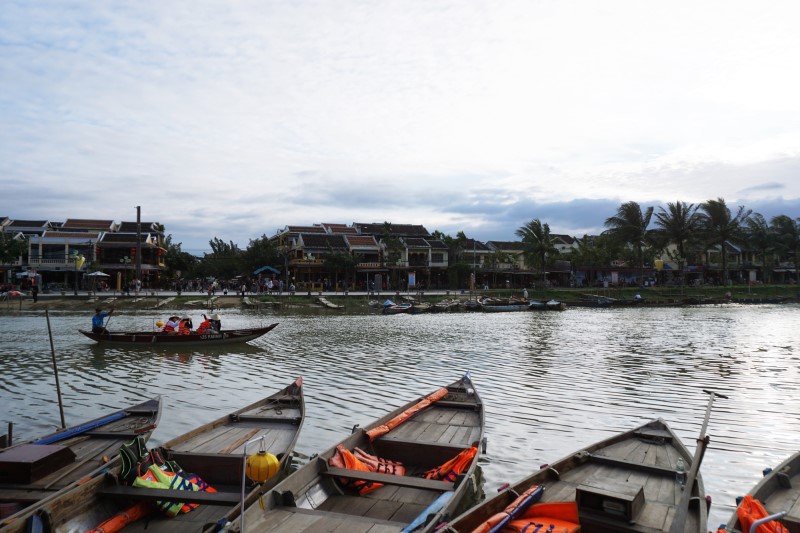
x: 261, y: 466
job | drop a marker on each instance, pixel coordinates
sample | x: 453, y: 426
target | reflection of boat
x: 776, y: 492
x: 213, y: 451
x: 226, y: 336
x: 441, y: 431
x: 32, y: 471
x: 624, y: 484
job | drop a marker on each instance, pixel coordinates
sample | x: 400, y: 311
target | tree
x: 178, y: 262
x: 224, y: 261
x: 787, y: 233
x: 718, y: 227
x: 761, y: 238
x: 629, y: 225
x: 261, y: 252
x: 537, y: 244
x: 392, y: 246
x: 11, y: 249
x: 678, y: 224
x: 339, y: 261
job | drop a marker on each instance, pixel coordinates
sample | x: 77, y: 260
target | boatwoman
x: 98, y: 318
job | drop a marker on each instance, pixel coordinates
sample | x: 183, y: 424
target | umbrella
x: 98, y: 274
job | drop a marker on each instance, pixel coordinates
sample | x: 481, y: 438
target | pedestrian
x: 525, y: 293
x: 98, y: 318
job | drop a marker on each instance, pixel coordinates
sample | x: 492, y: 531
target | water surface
x: 551, y: 382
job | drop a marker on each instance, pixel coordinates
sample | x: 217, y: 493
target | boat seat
x: 389, y: 479
x: 613, y: 461
x: 186, y: 496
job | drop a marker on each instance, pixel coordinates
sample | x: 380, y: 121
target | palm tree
x: 718, y: 227
x: 761, y: 238
x: 537, y: 244
x: 678, y: 224
x: 629, y: 225
x: 787, y: 232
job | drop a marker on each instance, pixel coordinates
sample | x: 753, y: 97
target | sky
x: 232, y: 119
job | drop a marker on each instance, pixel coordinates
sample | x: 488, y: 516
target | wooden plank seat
x: 389, y: 479
x: 407, y: 451
x: 470, y: 405
x: 612, y: 461
x: 294, y: 420
x: 186, y: 496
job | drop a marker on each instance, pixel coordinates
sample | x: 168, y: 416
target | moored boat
x: 555, y: 305
x: 36, y: 470
x: 160, y: 338
x: 406, y: 471
x: 212, y: 454
x: 775, y: 494
x: 624, y: 484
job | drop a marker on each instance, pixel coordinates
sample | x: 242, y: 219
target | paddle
x: 519, y: 506
x: 110, y: 314
x: 678, y: 523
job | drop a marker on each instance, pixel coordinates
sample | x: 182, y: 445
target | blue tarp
x: 267, y: 268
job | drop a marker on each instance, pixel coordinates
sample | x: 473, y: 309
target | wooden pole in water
x: 55, y: 369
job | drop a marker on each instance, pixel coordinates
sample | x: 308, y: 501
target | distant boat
x: 555, y: 305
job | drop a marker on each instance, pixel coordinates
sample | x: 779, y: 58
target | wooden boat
x: 396, y: 309
x: 35, y: 470
x: 555, y: 305
x: 500, y: 305
x: 213, y: 451
x: 323, y: 497
x: 226, y: 336
x: 537, y: 305
x: 624, y: 484
x: 777, y: 492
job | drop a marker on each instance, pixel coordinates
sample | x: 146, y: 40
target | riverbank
x: 656, y: 296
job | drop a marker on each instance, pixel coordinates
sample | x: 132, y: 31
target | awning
x: 267, y: 268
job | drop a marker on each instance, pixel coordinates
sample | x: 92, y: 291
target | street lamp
x: 125, y: 262
x: 79, y: 261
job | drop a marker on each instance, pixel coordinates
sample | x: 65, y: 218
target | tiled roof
x: 565, y: 238
x: 305, y: 229
x: 437, y: 244
x: 399, y: 230
x: 27, y: 224
x: 413, y: 242
x: 362, y: 241
x: 122, y: 238
x: 506, y: 245
x: 323, y: 241
x: 339, y: 229
x: 130, y: 227
x: 472, y: 244
x: 83, y: 223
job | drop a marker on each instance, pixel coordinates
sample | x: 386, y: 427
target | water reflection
x: 552, y: 382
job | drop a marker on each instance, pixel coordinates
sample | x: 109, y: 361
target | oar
x: 678, y: 523
x: 105, y: 328
x: 519, y: 506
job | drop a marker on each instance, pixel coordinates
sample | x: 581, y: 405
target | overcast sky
x: 232, y: 119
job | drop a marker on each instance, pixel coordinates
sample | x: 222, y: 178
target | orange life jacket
x: 344, y: 458
x: 204, y: 326
x: 377, y: 431
x: 452, y: 468
x: 185, y: 327
x: 751, y: 510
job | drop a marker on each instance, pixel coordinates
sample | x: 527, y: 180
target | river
x: 551, y: 382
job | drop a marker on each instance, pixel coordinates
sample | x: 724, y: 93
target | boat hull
x: 624, y: 484
x: 213, y: 451
x: 144, y: 338
x: 68, y: 457
x: 320, y: 497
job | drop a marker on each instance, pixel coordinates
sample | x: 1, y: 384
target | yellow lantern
x: 261, y: 466
x: 159, y: 324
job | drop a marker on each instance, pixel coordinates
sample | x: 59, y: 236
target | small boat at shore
x: 406, y: 471
x: 33, y: 471
x: 624, y: 484
x: 775, y: 495
x: 212, y: 454
x: 160, y: 338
